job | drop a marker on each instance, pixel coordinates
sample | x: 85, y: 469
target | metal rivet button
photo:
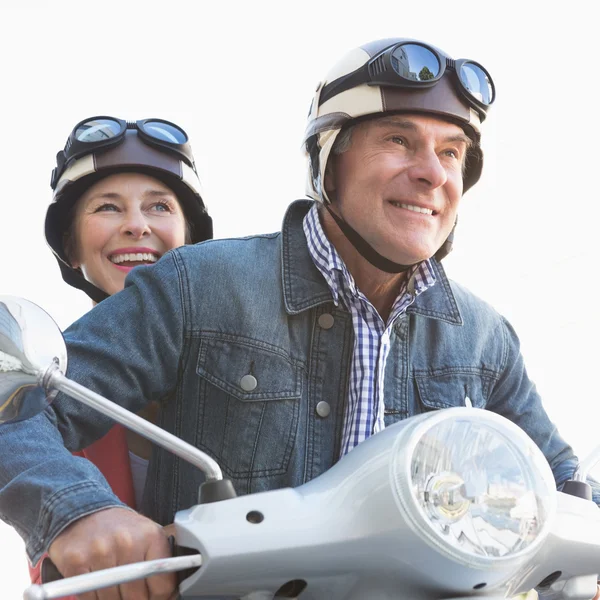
x: 323, y: 409
x: 248, y: 383
x: 326, y: 321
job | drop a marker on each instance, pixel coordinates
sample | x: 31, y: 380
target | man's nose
x: 428, y: 170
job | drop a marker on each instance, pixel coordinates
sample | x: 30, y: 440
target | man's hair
x: 343, y: 141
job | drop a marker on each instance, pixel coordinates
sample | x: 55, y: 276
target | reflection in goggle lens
x: 95, y: 131
x: 415, y: 63
x: 477, y: 82
x: 165, y: 132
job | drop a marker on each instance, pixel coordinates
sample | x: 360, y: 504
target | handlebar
x: 109, y: 577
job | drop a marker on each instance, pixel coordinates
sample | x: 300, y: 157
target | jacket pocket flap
x: 452, y: 389
x: 248, y: 370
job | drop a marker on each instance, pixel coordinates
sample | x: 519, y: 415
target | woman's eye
x: 452, y: 153
x: 162, y: 207
x: 106, y: 207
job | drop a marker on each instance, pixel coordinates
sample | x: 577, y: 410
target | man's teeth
x: 139, y: 257
x: 425, y: 211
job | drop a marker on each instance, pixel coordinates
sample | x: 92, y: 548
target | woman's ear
x: 69, y: 249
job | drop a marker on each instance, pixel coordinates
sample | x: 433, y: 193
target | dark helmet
x: 131, y: 154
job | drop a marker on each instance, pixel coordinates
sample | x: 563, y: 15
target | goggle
x: 414, y: 65
x: 100, y: 133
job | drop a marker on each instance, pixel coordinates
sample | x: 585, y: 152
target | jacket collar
x: 304, y: 287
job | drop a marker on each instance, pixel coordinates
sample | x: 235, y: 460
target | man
x: 278, y: 354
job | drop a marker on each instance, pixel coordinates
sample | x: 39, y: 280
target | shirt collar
x: 326, y: 258
x: 304, y: 286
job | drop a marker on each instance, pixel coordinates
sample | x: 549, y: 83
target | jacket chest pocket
x: 249, y: 401
x: 461, y: 388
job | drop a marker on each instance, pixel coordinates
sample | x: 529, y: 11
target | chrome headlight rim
x: 402, y: 453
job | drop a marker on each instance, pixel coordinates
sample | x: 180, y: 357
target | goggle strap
x: 344, y: 83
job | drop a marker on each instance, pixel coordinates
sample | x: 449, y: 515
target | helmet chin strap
x: 365, y: 249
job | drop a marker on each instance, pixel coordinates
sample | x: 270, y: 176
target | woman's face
x: 123, y: 221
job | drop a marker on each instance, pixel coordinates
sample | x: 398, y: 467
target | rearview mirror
x: 30, y: 343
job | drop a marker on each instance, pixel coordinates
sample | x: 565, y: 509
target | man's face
x: 399, y: 184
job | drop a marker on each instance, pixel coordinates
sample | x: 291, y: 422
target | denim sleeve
x: 128, y: 349
x: 515, y: 397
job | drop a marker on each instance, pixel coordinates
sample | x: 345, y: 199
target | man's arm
x: 127, y: 348
x: 514, y: 396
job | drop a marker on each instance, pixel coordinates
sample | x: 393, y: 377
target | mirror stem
x: 54, y: 379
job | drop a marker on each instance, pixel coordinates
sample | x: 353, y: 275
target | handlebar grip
x: 49, y: 572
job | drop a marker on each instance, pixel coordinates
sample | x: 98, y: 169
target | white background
x: 239, y: 77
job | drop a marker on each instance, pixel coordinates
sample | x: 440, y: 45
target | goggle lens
x: 477, y: 82
x: 165, y: 132
x: 97, y: 130
x: 415, y: 62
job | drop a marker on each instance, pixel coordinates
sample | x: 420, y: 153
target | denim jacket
x: 231, y: 337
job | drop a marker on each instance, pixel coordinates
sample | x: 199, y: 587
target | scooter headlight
x: 474, y: 485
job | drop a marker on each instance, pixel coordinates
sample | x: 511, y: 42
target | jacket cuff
x: 65, y: 507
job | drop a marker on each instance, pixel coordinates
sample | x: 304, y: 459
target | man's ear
x: 330, y: 178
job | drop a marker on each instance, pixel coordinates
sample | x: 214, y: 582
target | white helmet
x: 395, y: 75
x: 391, y: 76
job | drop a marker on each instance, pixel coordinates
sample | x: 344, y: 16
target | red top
x: 111, y: 455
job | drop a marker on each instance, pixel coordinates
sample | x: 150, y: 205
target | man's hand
x: 110, y: 538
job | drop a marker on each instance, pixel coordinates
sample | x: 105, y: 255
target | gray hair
x: 343, y: 141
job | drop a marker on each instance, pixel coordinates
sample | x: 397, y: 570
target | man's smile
x: 413, y: 208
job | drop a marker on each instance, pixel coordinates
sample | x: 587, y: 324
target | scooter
x: 454, y: 504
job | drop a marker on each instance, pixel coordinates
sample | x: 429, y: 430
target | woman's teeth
x: 139, y: 257
x: 425, y: 211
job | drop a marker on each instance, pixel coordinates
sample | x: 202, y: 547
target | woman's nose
x: 135, y: 225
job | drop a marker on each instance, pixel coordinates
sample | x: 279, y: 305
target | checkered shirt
x: 364, y: 414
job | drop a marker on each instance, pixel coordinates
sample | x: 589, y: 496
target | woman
x: 124, y: 194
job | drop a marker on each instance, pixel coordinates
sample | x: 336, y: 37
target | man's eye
x: 398, y: 140
x: 162, y: 207
x: 452, y: 153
